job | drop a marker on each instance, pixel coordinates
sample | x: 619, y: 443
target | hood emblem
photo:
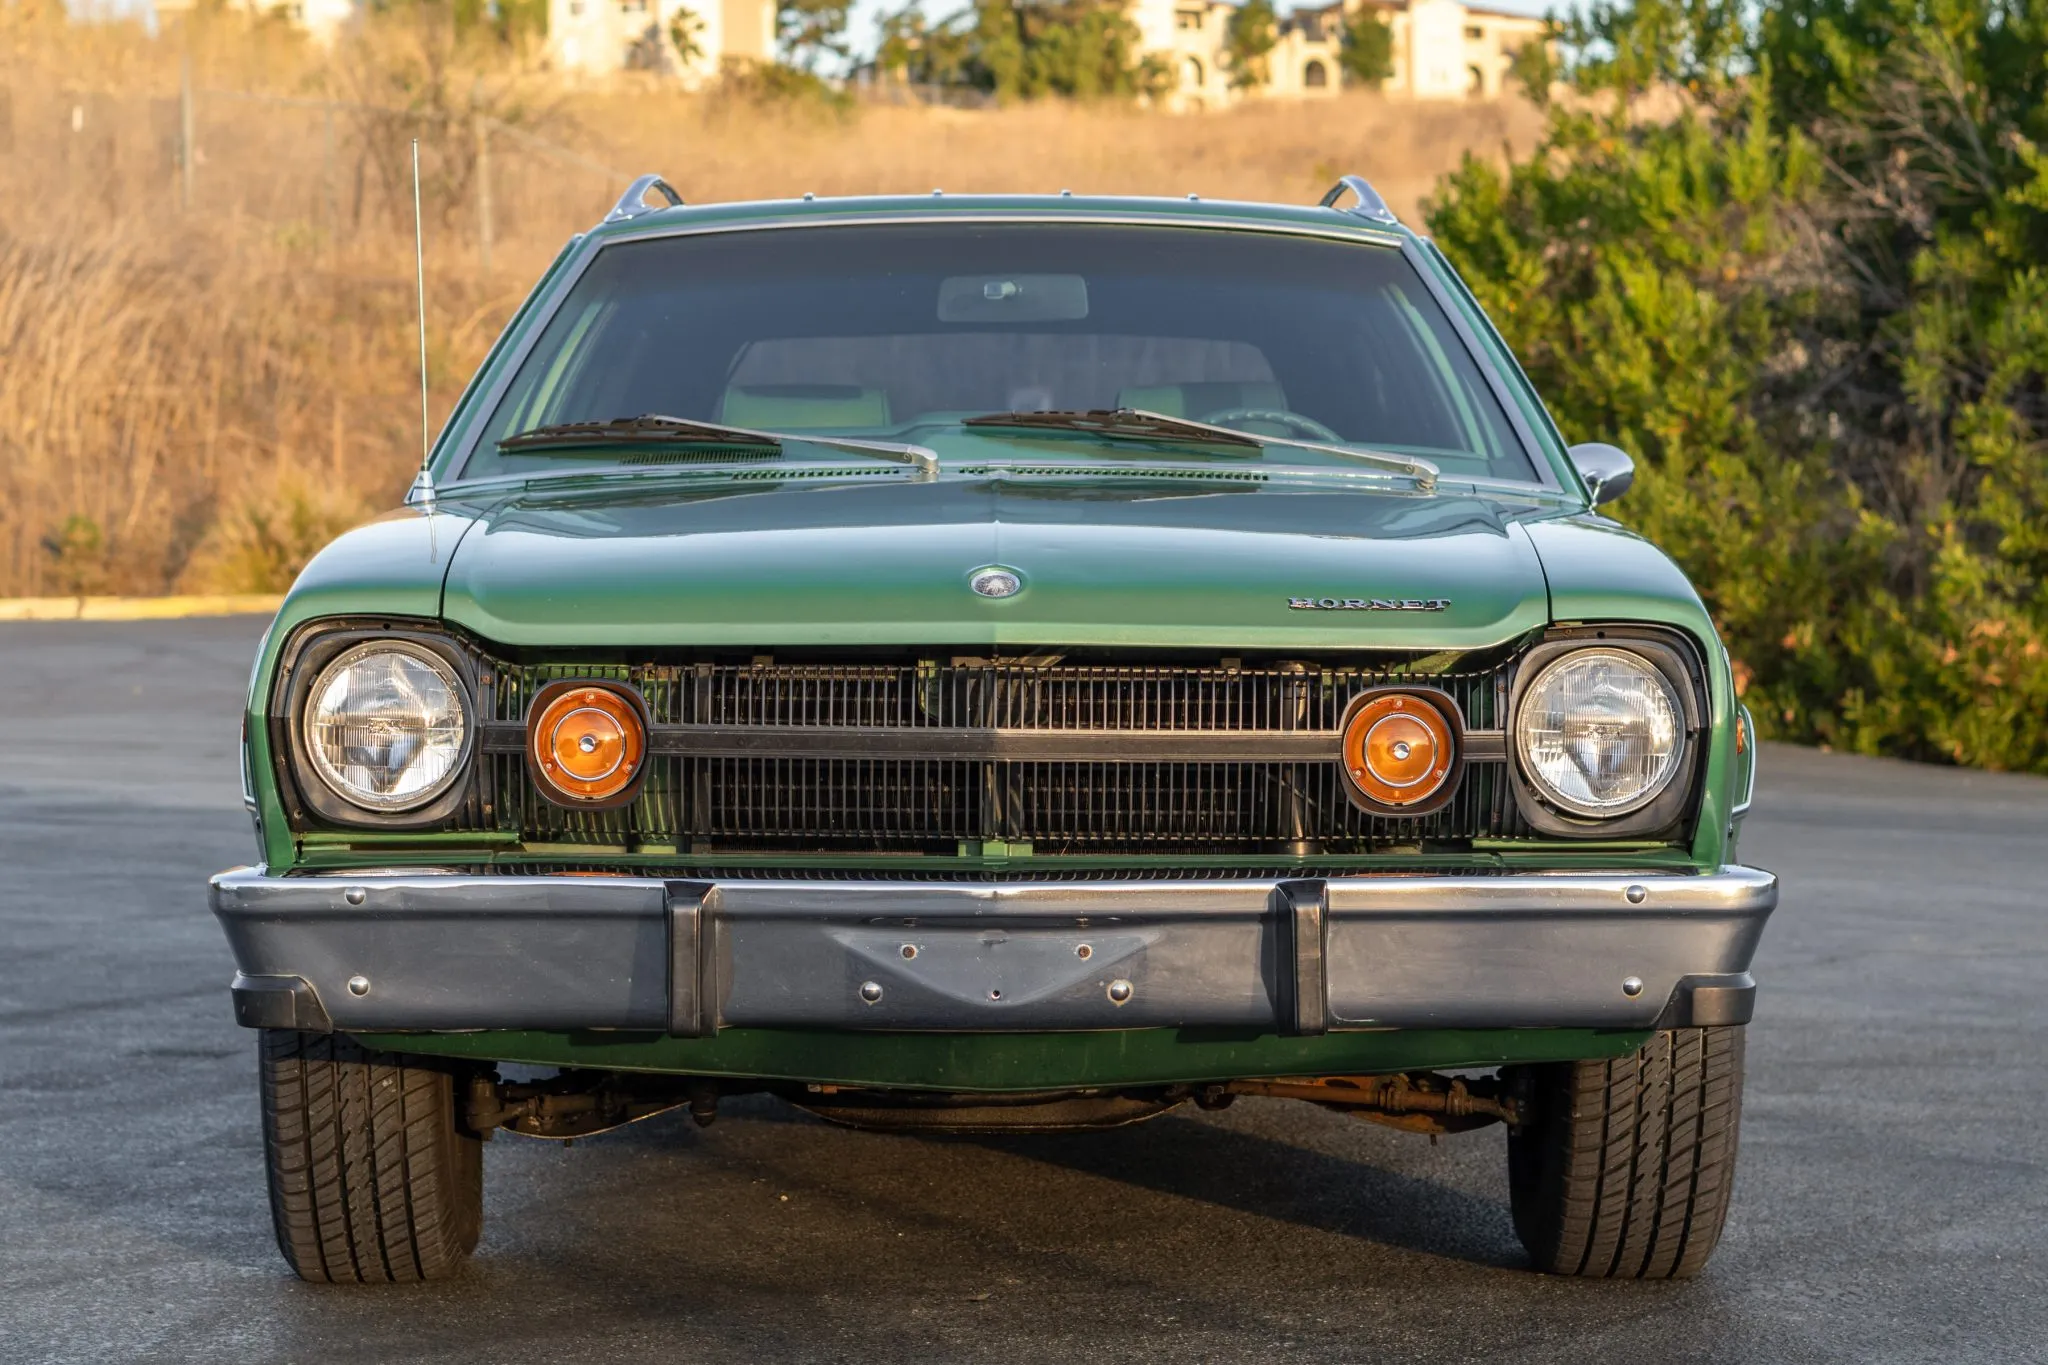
x: 1368, y: 603
x: 996, y: 582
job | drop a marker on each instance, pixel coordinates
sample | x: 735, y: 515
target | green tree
x: 1533, y: 66
x: 1367, y: 52
x: 914, y: 49
x: 812, y: 30
x: 686, y: 36
x: 1813, y: 301
x: 1083, y: 49
x: 1249, y: 39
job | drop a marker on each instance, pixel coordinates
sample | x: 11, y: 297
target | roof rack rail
x: 1370, y: 205
x: 633, y: 202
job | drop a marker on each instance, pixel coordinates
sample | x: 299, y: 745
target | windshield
x: 904, y: 331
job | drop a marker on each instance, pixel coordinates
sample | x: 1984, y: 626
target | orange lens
x: 587, y: 743
x: 1399, y: 749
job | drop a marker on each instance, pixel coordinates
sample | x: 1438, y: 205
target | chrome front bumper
x: 427, y: 951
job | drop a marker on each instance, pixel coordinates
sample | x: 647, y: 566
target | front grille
x: 765, y: 799
x: 1036, y: 872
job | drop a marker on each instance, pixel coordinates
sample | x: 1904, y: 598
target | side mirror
x: 1607, y: 470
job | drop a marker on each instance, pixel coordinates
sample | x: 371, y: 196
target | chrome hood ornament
x: 996, y: 581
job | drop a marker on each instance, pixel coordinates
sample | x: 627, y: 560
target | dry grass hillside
x: 195, y: 398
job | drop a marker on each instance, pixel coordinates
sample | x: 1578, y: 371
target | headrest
x: 1199, y: 400
x: 798, y: 407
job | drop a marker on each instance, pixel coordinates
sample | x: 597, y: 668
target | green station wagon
x: 995, y: 663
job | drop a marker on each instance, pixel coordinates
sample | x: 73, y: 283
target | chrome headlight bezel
x: 310, y: 796
x: 1676, y: 662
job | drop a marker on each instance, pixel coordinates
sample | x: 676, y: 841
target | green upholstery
x: 1199, y: 400
x: 799, y: 407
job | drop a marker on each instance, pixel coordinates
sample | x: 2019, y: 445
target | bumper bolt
x: 359, y: 985
x: 1637, y: 894
x: 355, y: 895
x: 1632, y: 986
x: 1119, y: 991
x: 871, y: 992
x: 909, y: 951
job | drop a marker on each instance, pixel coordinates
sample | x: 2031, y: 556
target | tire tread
x: 371, y: 1179
x: 1627, y: 1166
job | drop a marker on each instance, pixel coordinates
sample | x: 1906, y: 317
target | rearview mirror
x: 1607, y: 470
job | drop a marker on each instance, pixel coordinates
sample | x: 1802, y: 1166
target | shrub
x: 1811, y: 299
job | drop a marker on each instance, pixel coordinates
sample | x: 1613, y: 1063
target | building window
x: 1475, y: 81
x: 632, y: 6
x: 1187, y: 18
x: 1315, y: 76
x: 1474, y: 32
x: 1191, y: 73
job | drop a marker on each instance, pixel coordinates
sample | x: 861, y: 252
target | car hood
x: 1103, y: 561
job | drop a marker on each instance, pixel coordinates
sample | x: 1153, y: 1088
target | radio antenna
x: 423, y: 486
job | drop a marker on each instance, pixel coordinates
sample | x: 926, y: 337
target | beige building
x: 599, y: 37
x: 590, y: 37
x: 1442, y: 49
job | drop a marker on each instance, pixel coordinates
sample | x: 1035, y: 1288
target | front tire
x: 1625, y: 1167
x: 372, y: 1179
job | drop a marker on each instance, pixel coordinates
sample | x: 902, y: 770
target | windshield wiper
x: 655, y: 429
x: 649, y: 430
x: 1131, y: 424
x: 1136, y: 424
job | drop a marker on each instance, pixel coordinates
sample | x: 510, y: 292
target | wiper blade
x: 1131, y: 424
x: 651, y: 429
x: 1139, y: 425
x: 655, y: 429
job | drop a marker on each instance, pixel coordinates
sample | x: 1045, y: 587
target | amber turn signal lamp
x: 587, y: 743
x: 1400, y: 749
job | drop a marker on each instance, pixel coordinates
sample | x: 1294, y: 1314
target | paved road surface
x: 1892, y: 1205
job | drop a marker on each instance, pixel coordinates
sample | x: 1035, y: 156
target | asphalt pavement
x: 1891, y: 1205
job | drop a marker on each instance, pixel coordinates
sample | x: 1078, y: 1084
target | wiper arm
x: 1137, y: 424
x: 655, y: 429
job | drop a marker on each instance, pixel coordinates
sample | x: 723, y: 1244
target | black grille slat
x: 770, y: 802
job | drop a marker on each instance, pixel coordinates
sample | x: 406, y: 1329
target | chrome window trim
x: 1577, y: 492
x: 589, y: 246
x: 1532, y: 449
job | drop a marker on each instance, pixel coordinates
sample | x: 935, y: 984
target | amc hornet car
x: 990, y: 663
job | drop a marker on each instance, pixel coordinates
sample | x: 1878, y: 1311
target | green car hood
x: 886, y: 559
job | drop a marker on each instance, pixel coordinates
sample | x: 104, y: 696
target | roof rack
x: 1370, y: 205
x: 633, y: 202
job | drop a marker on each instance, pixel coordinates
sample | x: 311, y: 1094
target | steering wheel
x: 1306, y: 426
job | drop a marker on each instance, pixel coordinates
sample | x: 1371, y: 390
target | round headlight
x: 386, y: 726
x: 1600, y: 732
